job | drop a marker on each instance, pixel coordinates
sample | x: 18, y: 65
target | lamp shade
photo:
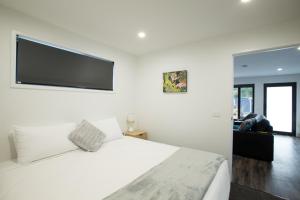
x: 131, y: 118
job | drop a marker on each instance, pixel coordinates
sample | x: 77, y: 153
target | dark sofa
x: 255, y: 141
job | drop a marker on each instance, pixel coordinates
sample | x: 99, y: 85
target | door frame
x: 294, y: 104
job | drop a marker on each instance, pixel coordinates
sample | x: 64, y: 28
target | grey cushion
x: 247, y: 125
x: 87, y: 136
x: 259, y: 118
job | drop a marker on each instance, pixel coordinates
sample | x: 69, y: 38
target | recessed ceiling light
x: 141, y: 34
x: 279, y: 69
x: 245, y: 1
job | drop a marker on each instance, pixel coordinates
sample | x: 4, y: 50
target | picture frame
x: 175, y: 82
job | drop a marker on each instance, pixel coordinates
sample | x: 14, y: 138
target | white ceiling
x: 266, y: 63
x: 167, y: 22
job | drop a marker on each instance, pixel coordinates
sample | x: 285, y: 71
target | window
x: 41, y: 64
x: 243, y: 100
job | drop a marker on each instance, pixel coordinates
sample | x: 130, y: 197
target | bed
x: 79, y: 175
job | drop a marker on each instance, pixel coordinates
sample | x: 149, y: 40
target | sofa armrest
x: 257, y: 145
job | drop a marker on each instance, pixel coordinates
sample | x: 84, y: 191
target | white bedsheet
x: 79, y: 175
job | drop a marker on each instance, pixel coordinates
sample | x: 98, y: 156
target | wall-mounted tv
x: 39, y: 63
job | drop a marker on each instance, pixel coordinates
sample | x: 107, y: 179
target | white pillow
x: 35, y: 143
x: 110, y: 128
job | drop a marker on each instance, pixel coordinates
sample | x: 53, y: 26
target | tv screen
x: 42, y: 64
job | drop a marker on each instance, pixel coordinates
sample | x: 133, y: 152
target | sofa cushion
x: 264, y: 125
x: 259, y: 118
x: 249, y: 116
x: 247, y: 125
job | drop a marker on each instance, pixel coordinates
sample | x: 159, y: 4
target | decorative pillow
x: 87, y: 136
x: 35, y: 143
x: 110, y: 128
x: 264, y: 126
x: 259, y: 118
x: 249, y: 116
x: 246, y: 125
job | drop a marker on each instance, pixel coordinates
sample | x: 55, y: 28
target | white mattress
x: 79, y: 175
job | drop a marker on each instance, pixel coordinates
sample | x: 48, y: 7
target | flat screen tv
x: 39, y: 63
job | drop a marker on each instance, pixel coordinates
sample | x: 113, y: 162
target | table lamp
x: 130, y: 122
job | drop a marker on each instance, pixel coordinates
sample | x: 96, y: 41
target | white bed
x: 79, y: 175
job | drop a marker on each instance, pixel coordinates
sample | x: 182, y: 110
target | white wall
x: 202, y: 117
x: 41, y: 107
x: 259, y: 91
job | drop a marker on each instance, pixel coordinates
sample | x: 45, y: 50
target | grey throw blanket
x: 186, y: 175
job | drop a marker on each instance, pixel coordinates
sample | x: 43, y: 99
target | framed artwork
x: 175, y: 82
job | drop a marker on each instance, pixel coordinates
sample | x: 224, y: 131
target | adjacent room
x: 266, y: 120
x: 149, y: 99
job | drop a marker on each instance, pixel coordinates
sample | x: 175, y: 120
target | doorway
x: 266, y: 85
x: 280, y: 107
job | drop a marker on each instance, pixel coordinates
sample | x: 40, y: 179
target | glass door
x: 280, y: 106
x: 246, y: 101
x: 243, y: 100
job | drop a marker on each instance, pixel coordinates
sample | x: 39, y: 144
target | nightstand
x: 138, y: 134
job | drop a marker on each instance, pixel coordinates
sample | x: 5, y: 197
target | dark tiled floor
x: 281, y: 177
